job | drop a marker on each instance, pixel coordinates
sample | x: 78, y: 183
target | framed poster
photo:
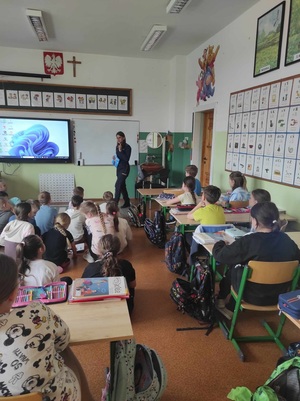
x: 268, y: 40
x: 292, y: 54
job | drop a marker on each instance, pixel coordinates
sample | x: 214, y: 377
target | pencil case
x: 49, y: 294
x: 290, y: 303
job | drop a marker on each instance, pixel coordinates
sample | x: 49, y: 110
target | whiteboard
x: 95, y: 140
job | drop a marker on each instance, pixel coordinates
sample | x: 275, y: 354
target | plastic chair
x: 26, y: 397
x: 261, y: 273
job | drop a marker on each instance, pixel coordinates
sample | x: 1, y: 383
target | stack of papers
x: 205, y: 238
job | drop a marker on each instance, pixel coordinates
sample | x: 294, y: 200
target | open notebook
x: 208, y: 238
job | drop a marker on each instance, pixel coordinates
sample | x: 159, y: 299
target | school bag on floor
x: 196, y: 297
x: 175, y: 254
x: 137, y: 373
x: 156, y: 229
x: 290, y: 303
x: 282, y: 385
x: 137, y: 214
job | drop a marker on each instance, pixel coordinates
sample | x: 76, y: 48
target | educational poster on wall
x: 263, y: 136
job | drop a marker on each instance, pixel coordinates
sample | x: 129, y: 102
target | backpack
x: 175, y: 253
x: 196, y: 297
x: 156, y: 229
x: 137, y: 214
x: 137, y: 373
x: 282, y: 385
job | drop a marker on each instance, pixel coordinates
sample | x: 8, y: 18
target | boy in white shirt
x: 76, y: 227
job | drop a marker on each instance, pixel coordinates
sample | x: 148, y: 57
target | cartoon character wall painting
x: 206, y: 78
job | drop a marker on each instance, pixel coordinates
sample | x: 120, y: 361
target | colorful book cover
x: 98, y: 288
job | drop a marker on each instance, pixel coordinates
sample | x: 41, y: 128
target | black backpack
x: 137, y: 214
x: 175, y: 254
x: 156, y: 229
x: 196, y: 297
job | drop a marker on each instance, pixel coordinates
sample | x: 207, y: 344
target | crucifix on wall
x: 74, y: 62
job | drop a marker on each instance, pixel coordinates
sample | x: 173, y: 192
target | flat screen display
x: 35, y: 140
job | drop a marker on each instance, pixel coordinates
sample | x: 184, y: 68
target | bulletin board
x: 263, y: 131
x: 95, y: 140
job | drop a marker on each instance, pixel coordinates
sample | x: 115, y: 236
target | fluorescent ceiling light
x: 156, y: 33
x: 35, y: 18
x: 176, y: 6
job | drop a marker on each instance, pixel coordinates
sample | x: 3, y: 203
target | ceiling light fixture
x: 176, y: 6
x: 156, y: 33
x: 35, y: 18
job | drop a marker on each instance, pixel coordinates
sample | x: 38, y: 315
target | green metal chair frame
x: 261, y: 273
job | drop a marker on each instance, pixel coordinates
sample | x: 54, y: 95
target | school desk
x: 149, y: 193
x: 95, y: 321
x: 164, y: 207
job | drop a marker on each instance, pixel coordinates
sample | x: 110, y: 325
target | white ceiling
x: 116, y: 27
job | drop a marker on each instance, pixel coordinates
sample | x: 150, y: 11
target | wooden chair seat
x: 260, y: 273
x: 239, y: 204
x: 25, y: 397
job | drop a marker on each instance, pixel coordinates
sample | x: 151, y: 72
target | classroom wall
x: 234, y: 71
x: 149, y: 81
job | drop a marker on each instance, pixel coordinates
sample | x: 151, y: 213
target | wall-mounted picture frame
x: 268, y: 40
x: 292, y: 54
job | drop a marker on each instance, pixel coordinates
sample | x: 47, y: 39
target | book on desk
x: 208, y: 238
x: 98, y: 289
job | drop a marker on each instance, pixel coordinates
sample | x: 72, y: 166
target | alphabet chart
x: 264, y: 130
x: 60, y: 186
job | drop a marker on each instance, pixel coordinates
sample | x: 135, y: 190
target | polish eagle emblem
x: 53, y: 63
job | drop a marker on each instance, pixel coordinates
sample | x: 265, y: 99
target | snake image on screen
x: 33, y: 142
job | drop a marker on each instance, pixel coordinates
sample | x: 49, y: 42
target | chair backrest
x: 273, y: 272
x: 25, y: 397
x: 213, y: 228
x: 238, y: 204
x: 283, y: 224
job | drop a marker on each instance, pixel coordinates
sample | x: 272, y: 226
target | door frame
x: 197, y: 127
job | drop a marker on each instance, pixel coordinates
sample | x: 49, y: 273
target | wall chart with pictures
x: 58, y: 98
x: 264, y: 130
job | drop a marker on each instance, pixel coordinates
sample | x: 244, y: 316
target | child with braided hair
x: 97, y: 224
x: 107, y: 265
x: 188, y: 197
x: 58, y: 240
x: 122, y: 228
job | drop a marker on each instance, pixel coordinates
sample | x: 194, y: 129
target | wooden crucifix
x: 74, y: 62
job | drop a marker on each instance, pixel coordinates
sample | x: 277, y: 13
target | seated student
x: 43, y: 361
x: 46, y: 214
x: 58, y: 240
x: 122, y: 228
x: 76, y: 191
x: 258, y: 196
x: 32, y: 266
x: 237, y: 182
x: 76, y: 226
x: 5, y: 210
x: 97, y: 224
x: 192, y: 170
x: 107, y: 197
x: 14, y: 231
x: 35, y: 206
x: 188, y: 197
x: 207, y: 212
x: 267, y: 244
x: 3, y: 188
x: 107, y: 265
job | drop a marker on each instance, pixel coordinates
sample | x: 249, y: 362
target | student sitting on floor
x: 107, y: 197
x: 207, y: 212
x: 35, y: 206
x: 46, y: 215
x: 122, y: 228
x: 76, y: 226
x: 32, y: 266
x: 107, y: 265
x: 267, y: 244
x: 58, y: 240
x: 5, y: 210
x: 76, y: 191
